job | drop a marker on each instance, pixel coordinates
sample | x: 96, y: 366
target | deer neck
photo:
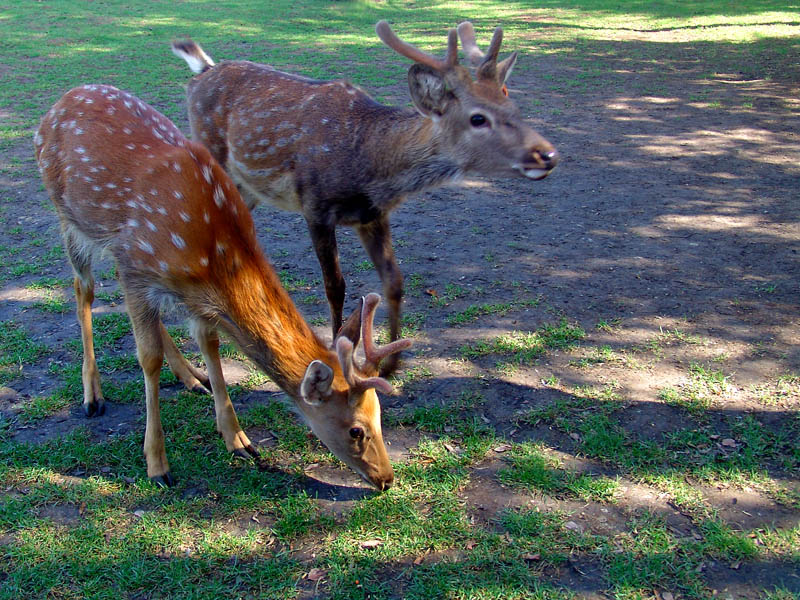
x: 410, y: 154
x: 255, y: 310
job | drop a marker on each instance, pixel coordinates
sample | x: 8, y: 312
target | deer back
x: 303, y: 144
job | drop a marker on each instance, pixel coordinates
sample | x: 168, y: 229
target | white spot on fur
x: 186, y: 218
x: 203, y: 261
x: 145, y: 246
x: 219, y: 196
x: 178, y: 241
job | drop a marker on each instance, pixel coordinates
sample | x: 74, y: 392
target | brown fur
x: 125, y: 181
x: 329, y: 151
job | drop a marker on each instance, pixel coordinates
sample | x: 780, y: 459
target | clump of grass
x: 705, y: 386
x: 523, y: 348
x: 532, y: 469
x: 17, y: 349
x: 479, y: 310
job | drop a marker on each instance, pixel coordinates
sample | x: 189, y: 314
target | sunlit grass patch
x: 522, y: 348
x: 704, y: 388
x: 533, y: 469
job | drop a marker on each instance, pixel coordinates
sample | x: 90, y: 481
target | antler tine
x: 494, y: 46
x: 466, y: 32
x: 344, y: 352
x: 389, y: 38
x: 374, y: 354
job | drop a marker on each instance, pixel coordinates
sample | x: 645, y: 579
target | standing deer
x: 125, y: 181
x: 329, y: 151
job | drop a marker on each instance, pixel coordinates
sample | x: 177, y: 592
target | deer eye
x: 478, y: 120
x: 356, y: 433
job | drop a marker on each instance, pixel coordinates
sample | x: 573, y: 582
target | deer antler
x: 374, y: 354
x: 488, y: 67
x: 389, y: 38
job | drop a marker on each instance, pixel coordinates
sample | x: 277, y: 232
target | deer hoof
x: 95, y: 408
x: 200, y: 389
x: 247, y: 452
x: 166, y: 480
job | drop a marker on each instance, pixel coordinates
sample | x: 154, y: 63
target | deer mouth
x: 534, y: 172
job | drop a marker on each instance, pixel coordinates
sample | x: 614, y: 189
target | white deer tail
x: 192, y: 53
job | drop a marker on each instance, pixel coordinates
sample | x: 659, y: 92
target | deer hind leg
x: 93, y: 402
x: 376, y: 237
x: 192, y: 378
x: 236, y: 440
x: 150, y: 351
x: 324, y: 239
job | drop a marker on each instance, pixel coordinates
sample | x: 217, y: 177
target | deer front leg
x: 93, y: 402
x: 323, y: 237
x: 236, y: 441
x: 193, y: 379
x: 149, y: 350
x: 376, y: 237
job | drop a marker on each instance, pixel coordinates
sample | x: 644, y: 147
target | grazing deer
x: 124, y: 180
x: 329, y: 151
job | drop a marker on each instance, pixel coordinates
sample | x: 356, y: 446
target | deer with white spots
x: 329, y: 151
x: 126, y: 182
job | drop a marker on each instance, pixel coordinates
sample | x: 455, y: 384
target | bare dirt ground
x: 675, y: 208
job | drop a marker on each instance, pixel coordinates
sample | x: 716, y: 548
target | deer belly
x: 268, y: 185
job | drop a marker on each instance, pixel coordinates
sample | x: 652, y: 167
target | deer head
x: 476, y: 117
x: 345, y: 413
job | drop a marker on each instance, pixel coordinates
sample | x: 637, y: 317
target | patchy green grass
x: 78, y: 517
x: 521, y: 348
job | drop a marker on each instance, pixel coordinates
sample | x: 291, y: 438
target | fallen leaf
x: 667, y: 596
x: 470, y: 544
x: 418, y: 560
x: 502, y: 448
x: 729, y: 443
x: 82, y: 508
x: 736, y: 565
x: 139, y: 513
x: 316, y: 574
x: 531, y: 557
x: 432, y: 292
x: 371, y: 543
x: 575, y: 436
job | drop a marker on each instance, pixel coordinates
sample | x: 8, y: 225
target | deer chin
x: 534, y: 173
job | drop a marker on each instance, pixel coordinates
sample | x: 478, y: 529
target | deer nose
x: 385, y: 484
x: 549, y: 159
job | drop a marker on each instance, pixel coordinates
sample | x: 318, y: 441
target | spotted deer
x: 126, y: 182
x: 331, y: 152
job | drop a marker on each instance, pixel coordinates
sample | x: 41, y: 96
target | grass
x: 523, y: 348
x: 78, y: 517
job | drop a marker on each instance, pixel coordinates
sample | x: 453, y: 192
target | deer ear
x: 428, y: 90
x: 505, y: 67
x: 352, y: 327
x: 316, y: 385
